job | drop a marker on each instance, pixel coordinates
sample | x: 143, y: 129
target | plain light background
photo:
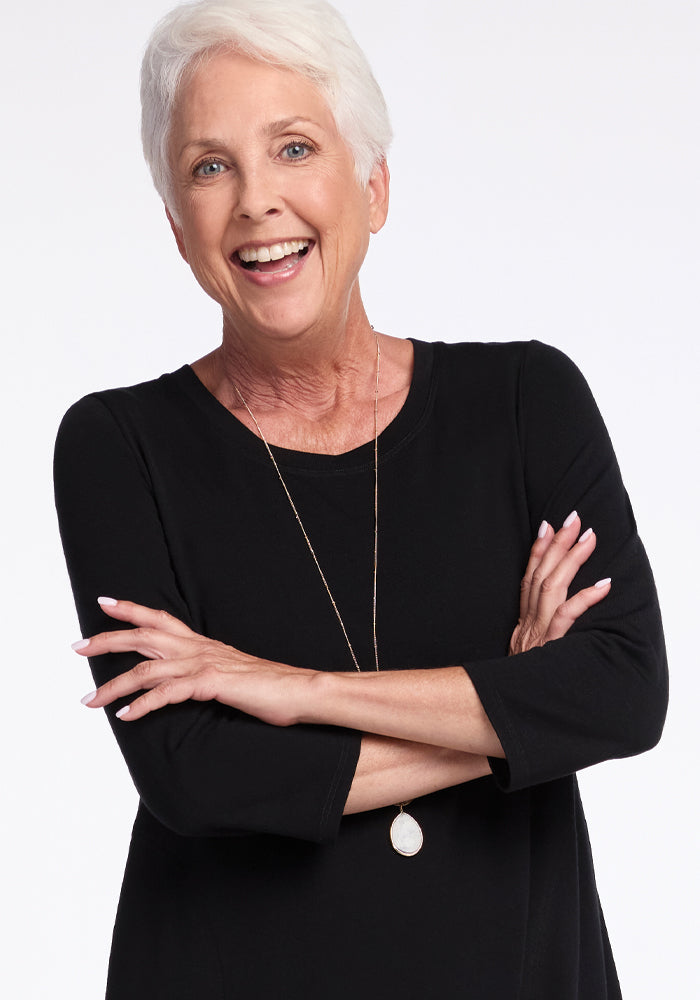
x: 544, y: 185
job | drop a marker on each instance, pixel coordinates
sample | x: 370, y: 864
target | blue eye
x: 210, y: 168
x: 297, y: 150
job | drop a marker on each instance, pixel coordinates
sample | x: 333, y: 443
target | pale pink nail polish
x: 542, y: 530
x: 603, y: 583
x: 122, y: 712
x: 88, y: 698
x: 586, y: 535
x: 80, y: 644
x: 570, y: 519
x: 106, y: 602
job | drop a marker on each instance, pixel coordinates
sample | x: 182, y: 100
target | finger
x: 196, y: 684
x: 516, y: 641
x: 555, y: 586
x: 140, y: 615
x: 556, y: 550
x: 143, y: 677
x: 150, y: 642
x: 539, y: 547
x: 172, y: 691
x: 568, y: 612
x: 557, y: 623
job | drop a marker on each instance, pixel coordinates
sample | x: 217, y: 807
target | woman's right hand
x: 546, y: 610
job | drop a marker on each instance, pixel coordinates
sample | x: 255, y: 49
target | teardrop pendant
x: 406, y: 835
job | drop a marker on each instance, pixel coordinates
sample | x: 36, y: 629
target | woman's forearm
x: 437, y: 707
x: 391, y: 771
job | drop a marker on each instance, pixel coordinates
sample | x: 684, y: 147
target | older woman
x: 300, y: 524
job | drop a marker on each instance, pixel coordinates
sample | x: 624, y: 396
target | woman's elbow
x: 195, y: 808
x: 181, y: 812
x: 646, y: 712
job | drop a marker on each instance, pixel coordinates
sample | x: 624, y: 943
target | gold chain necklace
x: 405, y: 834
x: 303, y: 529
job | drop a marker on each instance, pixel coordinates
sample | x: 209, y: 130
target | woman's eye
x: 297, y: 151
x: 210, y: 168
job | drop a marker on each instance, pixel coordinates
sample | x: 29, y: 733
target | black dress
x: 243, y: 879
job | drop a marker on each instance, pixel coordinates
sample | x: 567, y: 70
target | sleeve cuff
x: 512, y: 772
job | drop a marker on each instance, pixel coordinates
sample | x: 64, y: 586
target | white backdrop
x: 544, y: 185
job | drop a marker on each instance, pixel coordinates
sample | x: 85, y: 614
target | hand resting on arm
x: 425, y: 729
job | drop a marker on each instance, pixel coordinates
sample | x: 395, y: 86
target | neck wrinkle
x: 309, y: 382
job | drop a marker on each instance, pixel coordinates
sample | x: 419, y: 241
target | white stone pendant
x: 406, y: 835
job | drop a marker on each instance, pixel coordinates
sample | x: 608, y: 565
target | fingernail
x: 603, y: 583
x: 542, y: 530
x: 80, y: 644
x: 570, y: 519
x: 587, y: 534
x: 108, y: 602
x: 122, y: 712
x: 88, y: 698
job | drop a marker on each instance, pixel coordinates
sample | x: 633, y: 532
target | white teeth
x: 275, y: 251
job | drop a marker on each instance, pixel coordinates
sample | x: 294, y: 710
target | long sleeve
x: 165, y: 498
x: 601, y: 691
x: 201, y: 769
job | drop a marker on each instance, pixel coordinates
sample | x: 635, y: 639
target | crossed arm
x: 423, y: 729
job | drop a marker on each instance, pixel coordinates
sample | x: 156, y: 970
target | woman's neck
x: 313, y: 393
x: 307, y: 375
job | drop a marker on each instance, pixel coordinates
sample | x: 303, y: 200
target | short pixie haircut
x: 308, y: 37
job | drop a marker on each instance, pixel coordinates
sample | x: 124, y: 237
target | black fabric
x: 243, y: 878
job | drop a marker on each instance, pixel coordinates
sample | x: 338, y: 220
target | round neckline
x: 392, y: 437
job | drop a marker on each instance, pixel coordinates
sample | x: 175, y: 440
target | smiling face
x: 269, y: 215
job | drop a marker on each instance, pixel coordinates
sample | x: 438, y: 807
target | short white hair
x: 308, y: 37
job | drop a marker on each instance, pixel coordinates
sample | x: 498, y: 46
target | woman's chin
x: 277, y: 326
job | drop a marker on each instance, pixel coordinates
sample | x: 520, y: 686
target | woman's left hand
x: 181, y: 665
x: 546, y: 610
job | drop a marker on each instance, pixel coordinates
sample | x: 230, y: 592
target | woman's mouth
x: 273, y: 258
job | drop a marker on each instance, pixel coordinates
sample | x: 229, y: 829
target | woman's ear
x: 177, y: 233
x: 378, y: 188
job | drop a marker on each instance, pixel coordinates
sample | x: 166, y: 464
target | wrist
x: 315, y: 692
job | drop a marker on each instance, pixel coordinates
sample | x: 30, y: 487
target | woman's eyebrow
x: 285, y: 123
x: 270, y: 129
x: 203, y: 143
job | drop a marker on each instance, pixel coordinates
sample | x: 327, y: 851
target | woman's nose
x: 258, y: 196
